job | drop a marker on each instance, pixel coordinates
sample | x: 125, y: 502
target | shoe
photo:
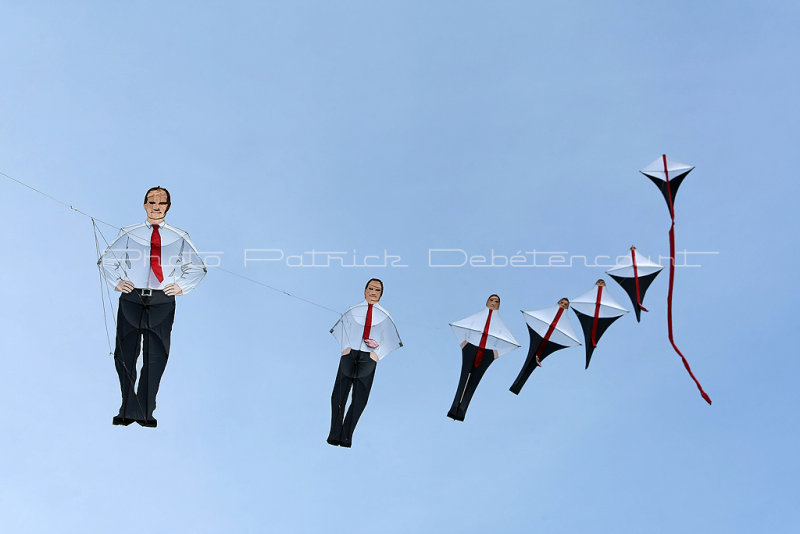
x: 333, y: 442
x: 345, y: 444
x: 149, y: 423
x: 121, y: 421
x: 455, y: 416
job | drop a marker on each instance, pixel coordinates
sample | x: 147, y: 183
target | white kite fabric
x: 499, y: 338
x: 587, y: 304
x: 644, y: 266
x: 562, y: 333
x: 675, y: 169
x: 128, y: 258
x: 349, y: 330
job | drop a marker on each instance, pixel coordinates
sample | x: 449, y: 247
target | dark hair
x: 374, y: 280
x: 158, y: 188
x: 494, y: 295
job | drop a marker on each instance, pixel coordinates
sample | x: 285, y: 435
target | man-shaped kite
x: 149, y: 263
x: 366, y: 333
x: 484, y: 337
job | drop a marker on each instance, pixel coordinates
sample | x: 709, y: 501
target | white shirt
x: 349, y: 330
x: 470, y: 329
x: 128, y: 258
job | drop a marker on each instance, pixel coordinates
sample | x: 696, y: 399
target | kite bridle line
x: 128, y: 373
x: 672, y: 280
x: 103, y: 285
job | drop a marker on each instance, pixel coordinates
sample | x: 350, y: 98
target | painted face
x: 601, y: 283
x: 564, y: 304
x: 373, y: 292
x: 156, y: 206
x: 493, y: 303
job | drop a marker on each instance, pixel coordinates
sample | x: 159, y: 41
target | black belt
x: 147, y: 292
x: 147, y: 296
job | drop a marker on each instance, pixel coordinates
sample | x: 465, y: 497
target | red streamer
x: 671, y: 281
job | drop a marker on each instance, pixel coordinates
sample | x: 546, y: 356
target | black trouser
x: 356, y: 371
x: 468, y: 382
x: 531, y: 362
x: 528, y: 367
x: 145, y: 320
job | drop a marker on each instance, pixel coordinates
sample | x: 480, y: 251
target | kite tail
x: 669, y: 311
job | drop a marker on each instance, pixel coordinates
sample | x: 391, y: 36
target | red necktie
x: 636, y: 280
x: 367, y: 322
x: 546, y: 338
x: 482, y: 346
x: 596, y: 314
x: 155, y: 254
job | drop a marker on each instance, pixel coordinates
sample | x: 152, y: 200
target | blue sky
x: 400, y: 128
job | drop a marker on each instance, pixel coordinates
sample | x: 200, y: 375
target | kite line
x: 97, y: 247
x: 279, y: 290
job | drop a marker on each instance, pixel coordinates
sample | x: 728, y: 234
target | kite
x: 596, y: 311
x: 150, y: 264
x: 366, y: 333
x: 635, y: 273
x: 549, y: 332
x: 483, y: 337
x: 668, y: 175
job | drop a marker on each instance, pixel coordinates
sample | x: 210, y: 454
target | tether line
x: 97, y: 247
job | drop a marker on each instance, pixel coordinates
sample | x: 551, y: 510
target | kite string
x: 93, y: 219
x: 671, y: 282
x: 102, y: 293
x: 288, y: 294
x: 51, y: 197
